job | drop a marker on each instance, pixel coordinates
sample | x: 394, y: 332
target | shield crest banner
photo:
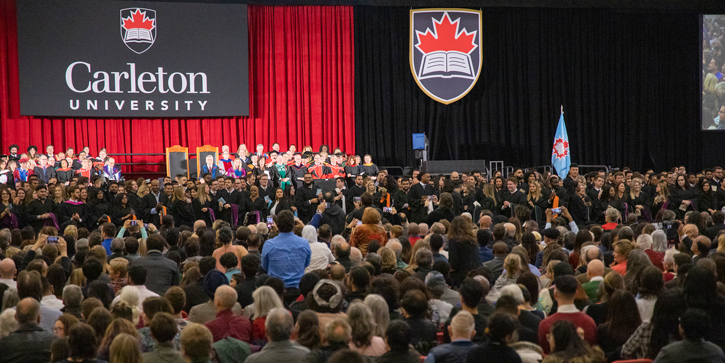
x: 138, y: 28
x: 445, y: 51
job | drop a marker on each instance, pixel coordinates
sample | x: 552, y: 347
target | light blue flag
x: 560, y: 157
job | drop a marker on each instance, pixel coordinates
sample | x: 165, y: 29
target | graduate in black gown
x: 202, y: 204
x: 122, y: 211
x: 512, y: 197
x: 97, y: 207
x: 416, y: 198
x: 181, y: 208
x: 681, y: 197
x: 37, y: 214
x: 306, y: 199
x: 72, y: 211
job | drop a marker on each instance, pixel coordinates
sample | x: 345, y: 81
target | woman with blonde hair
x: 512, y: 266
x: 181, y: 208
x: 125, y: 349
x: 117, y: 328
x: 143, y: 189
x: 390, y: 261
x: 77, y: 277
x: 243, y: 154
x: 99, y: 252
x: 265, y: 299
x: 364, y: 340
x: 369, y: 230
x: 129, y: 295
x: 59, y: 194
x: 413, y: 265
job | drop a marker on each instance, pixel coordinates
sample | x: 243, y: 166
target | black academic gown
x: 305, y: 209
x: 36, y: 208
x: 515, y: 198
x: 231, y: 198
x: 295, y: 173
x: 196, y: 207
x: 418, y: 210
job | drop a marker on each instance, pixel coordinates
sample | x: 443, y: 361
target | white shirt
x: 567, y: 309
x: 10, y: 282
x: 143, y: 294
x: 52, y: 302
x: 646, y: 307
x: 597, y: 278
x: 321, y: 257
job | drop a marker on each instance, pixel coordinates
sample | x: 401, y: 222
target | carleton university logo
x: 445, y: 51
x: 138, y: 28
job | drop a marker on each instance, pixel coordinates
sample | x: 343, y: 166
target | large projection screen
x: 713, y: 72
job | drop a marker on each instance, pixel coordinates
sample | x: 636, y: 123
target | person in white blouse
x: 321, y: 254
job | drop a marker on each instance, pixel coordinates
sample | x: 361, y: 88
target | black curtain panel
x: 629, y: 83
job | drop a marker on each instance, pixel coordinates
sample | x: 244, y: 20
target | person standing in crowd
x: 287, y: 255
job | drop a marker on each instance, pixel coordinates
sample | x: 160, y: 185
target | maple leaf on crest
x: 138, y: 20
x: 446, y: 37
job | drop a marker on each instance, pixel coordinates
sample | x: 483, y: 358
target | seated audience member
x: 82, y: 345
x: 336, y: 338
x: 362, y: 325
x: 472, y: 293
x: 196, y: 343
x: 694, y: 326
x: 398, y: 339
x: 567, y: 346
x: 461, y: 330
x: 501, y: 329
x: 565, y: 294
x: 415, y: 305
x: 163, y: 330
x: 206, y: 312
x: 226, y: 323
x: 29, y: 343
x: 279, y: 327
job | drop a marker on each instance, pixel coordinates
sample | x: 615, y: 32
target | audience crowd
x: 260, y: 264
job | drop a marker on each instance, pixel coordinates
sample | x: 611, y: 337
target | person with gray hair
x: 82, y: 245
x: 279, y: 326
x: 337, y: 337
x: 5, y: 238
x: 29, y: 343
x: 395, y: 245
x: 355, y: 256
x: 436, y: 284
x: 72, y: 300
x: 117, y: 248
x: 644, y: 243
x: 659, y: 241
x: 8, y: 324
x: 424, y: 259
x: 423, y: 229
x: 461, y: 330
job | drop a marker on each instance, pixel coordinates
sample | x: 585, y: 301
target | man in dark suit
x: 418, y: 209
x: 153, y: 201
x: 718, y: 221
x: 593, y: 193
x: 163, y: 271
x: 28, y: 343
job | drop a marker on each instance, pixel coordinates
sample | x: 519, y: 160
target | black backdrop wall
x: 629, y: 84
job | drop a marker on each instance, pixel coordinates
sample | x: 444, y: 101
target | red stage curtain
x: 301, y: 85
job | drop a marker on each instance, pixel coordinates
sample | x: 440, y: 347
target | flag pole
x: 562, y: 108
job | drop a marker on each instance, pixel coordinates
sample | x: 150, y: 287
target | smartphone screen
x: 52, y: 240
x: 319, y: 191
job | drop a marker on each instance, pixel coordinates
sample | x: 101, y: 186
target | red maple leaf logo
x: 446, y: 37
x: 561, y: 148
x: 138, y: 20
